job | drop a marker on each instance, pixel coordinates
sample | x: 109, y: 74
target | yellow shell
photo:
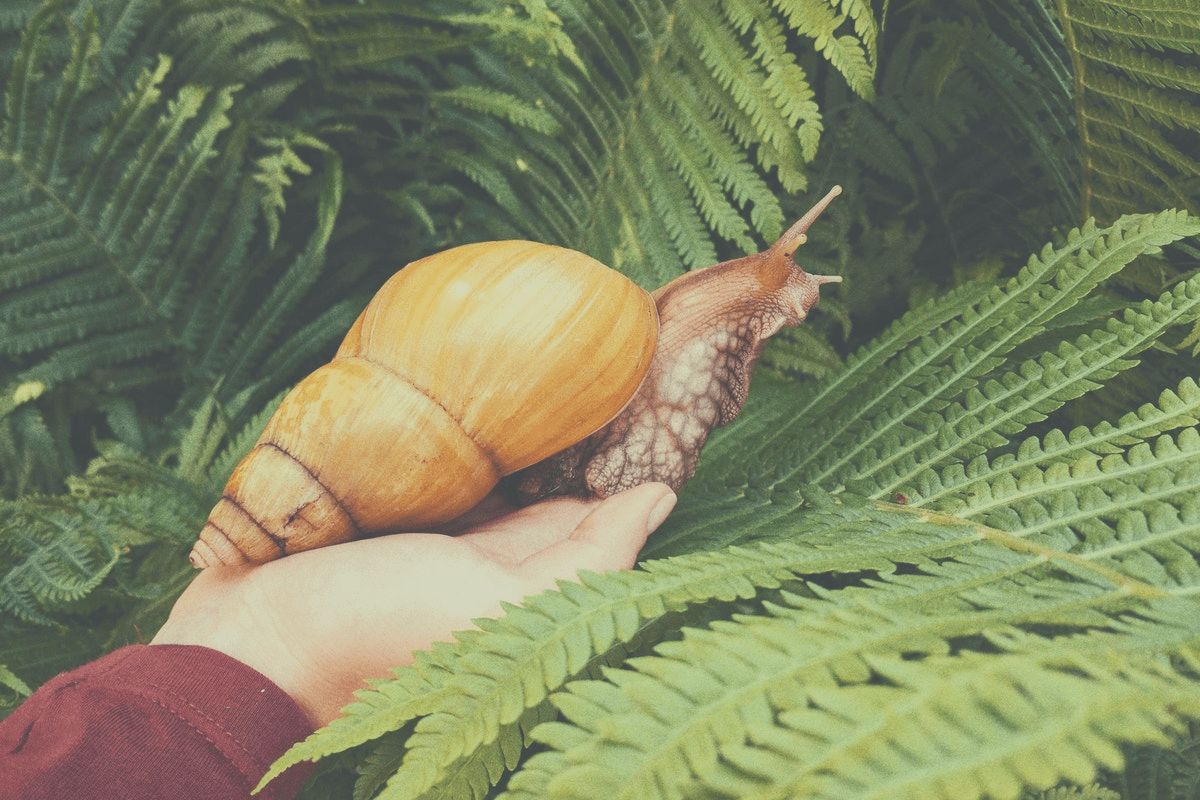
x: 466, y: 366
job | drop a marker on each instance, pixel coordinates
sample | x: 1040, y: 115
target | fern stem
x: 1079, y: 89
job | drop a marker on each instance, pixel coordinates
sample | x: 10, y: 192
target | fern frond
x: 273, y: 174
x: 949, y: 360
x: 257, y: 337
x: 123, y: 247
x: 14, y: 16
x: 797, y: 714
x: 675, y: 141
x: 54, y: 558
x: 1004, y: 405
x: 714, y: 708
x: 118, y: 541
x: 1161, y: 772
x: 800, y: 351
x: 1136, y: 107
x: 500, y: 105
x: 1175, y: 409
x: 56, y: 550
x: 738, y: 178
x: 937, y: 153
x: 818, y: 21
x: 14, y: 684
x: 252, y: 45
x: 786, y: 80
x: 468, y: 692
x: 1130, y: 509
x: 128, y: 232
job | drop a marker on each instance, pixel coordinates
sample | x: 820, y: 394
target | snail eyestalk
x: 795, y: 235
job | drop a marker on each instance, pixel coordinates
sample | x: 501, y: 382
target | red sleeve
x: 152, y: 721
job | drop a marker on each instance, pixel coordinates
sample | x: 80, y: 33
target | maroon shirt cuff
x: 152, y: 721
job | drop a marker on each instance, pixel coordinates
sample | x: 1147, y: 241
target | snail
x: 506, y: 359
x: 714, y: 323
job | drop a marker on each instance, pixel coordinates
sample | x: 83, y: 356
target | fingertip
x: 618, y: 526
x: 609, y: 538
x: 661, y: 509
x: 642, y: 508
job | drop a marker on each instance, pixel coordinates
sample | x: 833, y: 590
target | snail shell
x: 466, y: 366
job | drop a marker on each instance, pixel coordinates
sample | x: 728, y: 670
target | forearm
x: 152, y: 721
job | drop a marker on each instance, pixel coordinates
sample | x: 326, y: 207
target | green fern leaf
x: 501, y: 105
x: 944, y: 362
x: 130, y: 206
x: 13, y: 683
x: 819, y: 21
x: 57, y: 550
x: 1145, y: 491
x: 1170, y: 772
x: 272, y: 174
x: 124, y: 245
x: 1129, y: 96
x: 474, y: 775
x: 675, y: 143
x: 515, y: 662
x: 1174, y: 410
x: 14, y: 16
x: 54, y: 558
x: 800, y: 350
x: 738, y: 708
x: 1014, y: 399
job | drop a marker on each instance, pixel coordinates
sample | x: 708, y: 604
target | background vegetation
x: 950, y: 548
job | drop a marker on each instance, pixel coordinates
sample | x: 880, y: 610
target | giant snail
x: 486, y: 359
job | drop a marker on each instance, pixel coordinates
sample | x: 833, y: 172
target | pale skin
x: 322, y: 622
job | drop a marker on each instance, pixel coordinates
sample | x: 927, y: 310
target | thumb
x: 608, y: 538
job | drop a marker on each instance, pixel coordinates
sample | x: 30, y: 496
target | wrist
x: 220, y: 612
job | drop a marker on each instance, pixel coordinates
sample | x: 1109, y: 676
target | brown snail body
x: 475, y: 363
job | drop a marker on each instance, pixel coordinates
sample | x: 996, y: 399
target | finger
x: 608, y: 538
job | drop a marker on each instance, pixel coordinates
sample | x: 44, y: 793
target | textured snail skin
x: 714, y: 324
x: 466, y: 366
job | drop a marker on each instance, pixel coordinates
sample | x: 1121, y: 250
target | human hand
x: 321, y: 622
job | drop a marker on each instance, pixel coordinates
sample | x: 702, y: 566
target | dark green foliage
x: 1137, y: 77
x: 129, y: 254
x: 912, y: 574
x: 1170, y: 773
